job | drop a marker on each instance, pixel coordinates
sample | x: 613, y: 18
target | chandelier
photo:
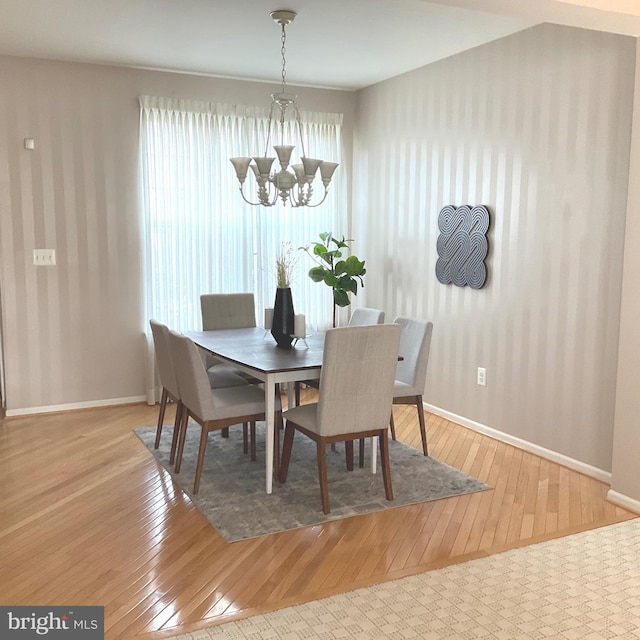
x: 292, y: 183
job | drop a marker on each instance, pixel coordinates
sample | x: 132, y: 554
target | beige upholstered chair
x: 228, y: 311
x: 356, y: 390
x: 212, y: 409
x: 411, y: 371
x: 168, y: 381
x: 170, y: 391
x: 361, y: 316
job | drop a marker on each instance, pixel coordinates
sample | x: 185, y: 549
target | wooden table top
x: 256, y: 349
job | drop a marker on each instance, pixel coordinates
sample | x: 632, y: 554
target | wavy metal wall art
x: 462, y: 245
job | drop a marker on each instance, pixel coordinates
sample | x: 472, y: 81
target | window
x: 198, y: 234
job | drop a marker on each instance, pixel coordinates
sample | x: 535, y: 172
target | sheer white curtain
x: 200, y: 237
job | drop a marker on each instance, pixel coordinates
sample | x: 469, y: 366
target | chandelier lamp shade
x: 293, y: 184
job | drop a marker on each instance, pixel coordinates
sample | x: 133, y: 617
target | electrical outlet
x: 482, y: 376
x: 44, y: 257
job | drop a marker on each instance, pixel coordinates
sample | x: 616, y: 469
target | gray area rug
x: 232, y: 488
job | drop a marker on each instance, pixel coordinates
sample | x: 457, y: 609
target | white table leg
x: 374, y: 453
x: 291, y: 395
x: 270, y: 410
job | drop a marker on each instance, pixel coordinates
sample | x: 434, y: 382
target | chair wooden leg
x: 386, y: 467
x: 392, y: 426
x: 224, y: 432
x: 201, y: 451
x: 297, y: 393
x: 287, y: 445
x: 177, y: 423
x: 184, y: 420
x: 423, y: 429
x: 348, y: 452
x: 322, y: 474
x: 163, y: 405
x: 361, y: 453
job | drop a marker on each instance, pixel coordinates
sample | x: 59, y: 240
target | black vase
x: 283, y: 317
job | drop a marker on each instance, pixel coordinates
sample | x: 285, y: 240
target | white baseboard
x: 576, y: 465
x: 623, y: 501
x: 75, y: 405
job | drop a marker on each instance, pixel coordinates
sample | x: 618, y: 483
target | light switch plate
x: 44, y: 257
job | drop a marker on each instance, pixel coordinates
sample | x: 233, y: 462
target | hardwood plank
x: 406, y: 521
x: 426, y: 528
x: 332, y: 560
x: 463, y: 535
x: 387, y: 533
x: 535, y: 488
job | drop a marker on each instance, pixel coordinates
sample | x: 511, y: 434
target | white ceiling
x: 345, y: 44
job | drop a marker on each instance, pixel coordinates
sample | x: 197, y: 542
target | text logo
x: 54, y: 623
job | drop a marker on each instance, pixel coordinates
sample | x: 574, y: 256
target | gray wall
x: 72, y: 333
x: 537, y: 127
x: 626, y: 440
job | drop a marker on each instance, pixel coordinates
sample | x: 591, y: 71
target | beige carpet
x: 582, y: 587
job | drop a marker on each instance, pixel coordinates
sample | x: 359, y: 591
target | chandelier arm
x: 293, y: 201
x: 299, y: 125
x: 256, y: 204
x: 307, y: 197
x: 264, y: 192
x: 269, y: 125
x: 253, y: 204
x: 301, y: 195
x: 317, y: 204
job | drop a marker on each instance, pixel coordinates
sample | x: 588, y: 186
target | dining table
x: 254, y: 351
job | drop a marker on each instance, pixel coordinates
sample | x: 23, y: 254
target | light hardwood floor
x: 88, y: 517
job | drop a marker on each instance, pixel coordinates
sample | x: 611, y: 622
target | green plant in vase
x: 342, y: 275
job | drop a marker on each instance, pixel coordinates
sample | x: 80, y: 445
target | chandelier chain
x: 283, y: 51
